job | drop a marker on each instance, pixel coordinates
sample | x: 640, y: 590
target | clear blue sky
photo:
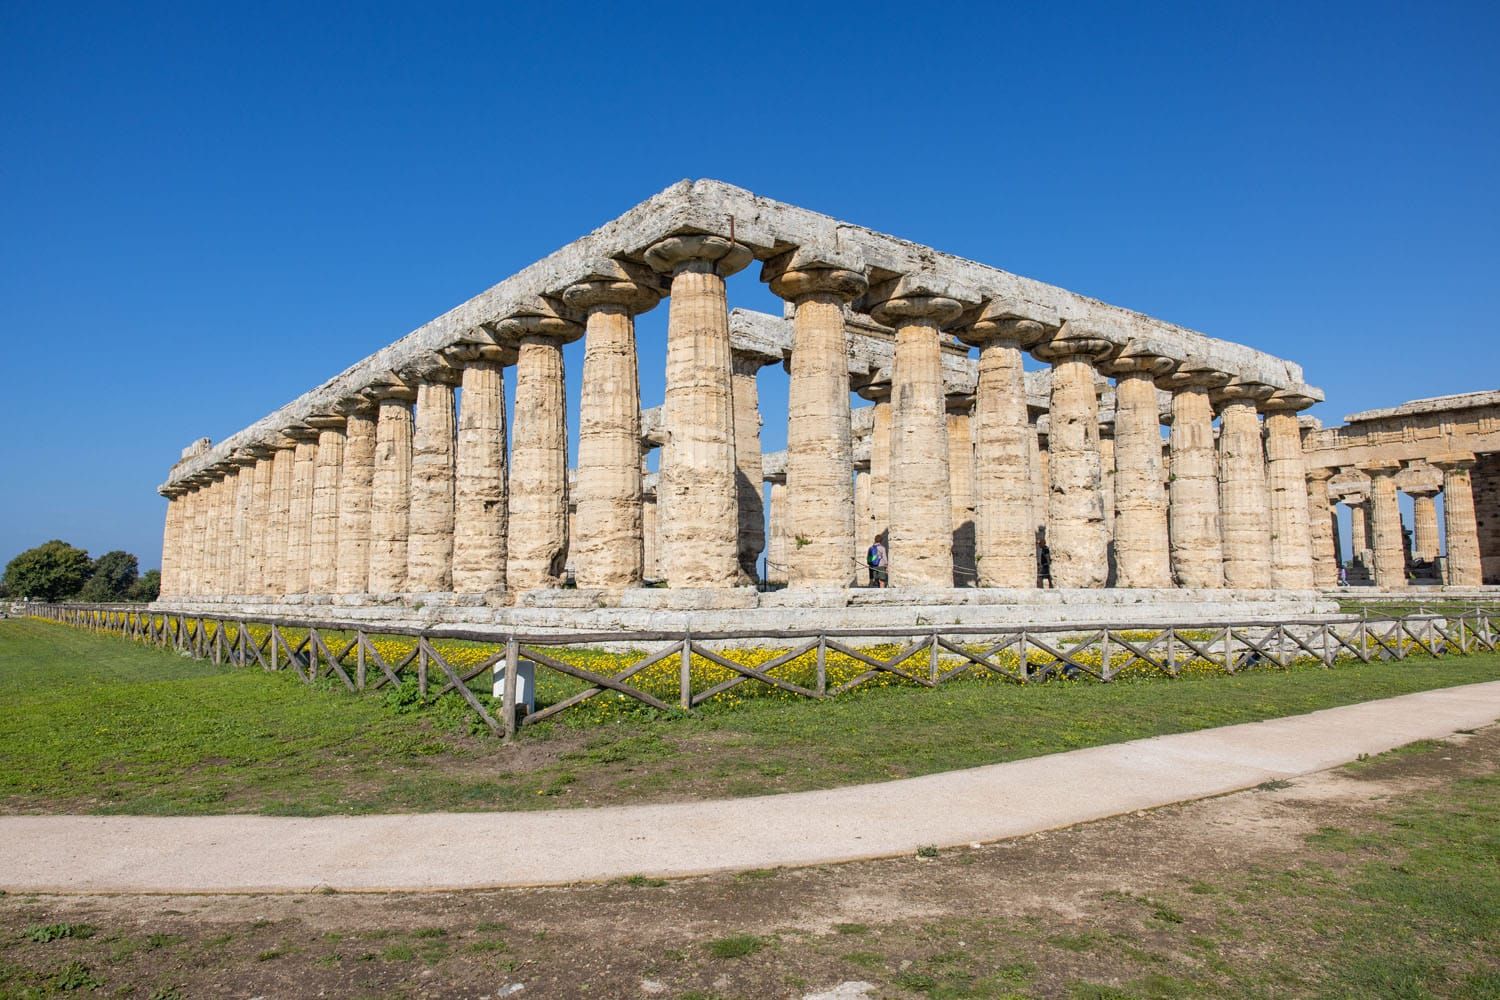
x: 207, y: 209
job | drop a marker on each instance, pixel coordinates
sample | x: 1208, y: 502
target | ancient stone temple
x: 1446, y: 448
x: 399, y: 487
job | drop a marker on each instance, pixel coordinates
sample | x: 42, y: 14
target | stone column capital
x: 1194, y: 374
x: 615, y: 285
x: 300, y: 432
x: 808, y: 271
x: 534, y: 328
x: 1075, y: 339
x: 1320, y: 474
x: 1453, y: 461
x: 327, y: 421
x: 1380, y: 467
x: 1293, y: 400
x: 1011, y: 331
x: 876, y: 391
x: 900, y: 310
x: 1240, y: 390
x: 1353, y: 499
x: 391, y: 387
x: 1140, y: 357
x: 698, y: 252
x: 1423, y: 491
x: 472, y: 355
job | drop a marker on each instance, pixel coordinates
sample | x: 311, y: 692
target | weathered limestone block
x: 1286, y: 480
x: 481, y: 510
x: 961, y: 495
x: 820, y: 459
x: 239, y: 578
x: 390, y: 489
x: 1193, y: 512
x: 299, y: 512
x: 1464, y: 567
x: 921, y: 515
x: 747, y: 455
x: 1424, y: 524
x: 537, y: 543
x: 608, y: 550
x: 356, y: 482
x: 1389, y: 545
x: 1142, y: 547
x: 1321, y: 522
x: 429, y: 543
x: 1075, y: 510
x: 1004, y: 505
x: 280, y: 512
x: 1243, y: 499
x: 323, y: 538
x: 696, y: 495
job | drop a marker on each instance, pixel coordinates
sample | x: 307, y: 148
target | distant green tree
x: 49, y: 572
x: 147, y: 588
x: 113, y: 576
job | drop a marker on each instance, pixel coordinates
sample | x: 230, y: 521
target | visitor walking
x: 875, y: 559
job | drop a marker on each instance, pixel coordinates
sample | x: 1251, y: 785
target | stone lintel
x: 1434, y: 404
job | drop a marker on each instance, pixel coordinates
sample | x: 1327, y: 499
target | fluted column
x: 537, y: 541
x: 1388, y: 543
x: 429, y: 540
x: 1004, y: 512
x: 747, y: 458
x: 1424, y: 524
x: 608, y: 549
x: 356, y: 479
x: 819, y: 454
x: 1286, y: 483
x: 1143, y: 548
x: 260, y: 523
x: 696, y: 493
x: 244, y: 532
x: 222, y: 573
x: 299, y: 509
x: 961, y: 474
x: 1243, y: 499
x: 1075, y: 512
x: 1459, y: 521
x: 1193, y: 490
x: 1036, y: 454
x: 278, y: 514
x: 171, y: 540
x: 780, y: 540
x: 481, y: 510
x: 323, y: 534
x: 864, y: 521
x: 1321, y: 535
x: 390, y: 489
x: 1359, y: 530
x: 649, y: 528
x: 920, y: 542
x: 880, y: 461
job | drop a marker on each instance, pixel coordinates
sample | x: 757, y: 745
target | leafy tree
x: 147, y: 588
x: 50, y: 571
x: 113, y: 576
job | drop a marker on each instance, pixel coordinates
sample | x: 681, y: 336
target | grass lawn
x: 96, y: 723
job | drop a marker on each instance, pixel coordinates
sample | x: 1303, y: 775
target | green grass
x: 97, y: 723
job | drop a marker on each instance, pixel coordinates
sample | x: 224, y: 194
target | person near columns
x: 878, y: 392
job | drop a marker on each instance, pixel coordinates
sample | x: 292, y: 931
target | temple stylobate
x: 398, y: 485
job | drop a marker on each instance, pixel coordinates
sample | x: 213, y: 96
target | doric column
x: 879, y: 393
x: 1321, y: 535
x: 1388, y: 545
x: 1424, y: 524
x: 227, y: 495
x: 260, y: 523
x: 1286, y: 483
x: 921, y: 515
x: 429, y: 539
x: 537, y: 540
x: 649, y: 527
x: 481, y: 506
x: 608, y: 550
x: 696, y: 493
x: 1359, y: 529
x: 1193, y: 490
x: 1107, y: 486
x: 747, y: 458
x: 189, y: 517
x: 780, y: 540
x: 1464, y: 567
x: 356, y: 480
x: 1075, y: 511
x: 171, y: 541
x: 390, y: 487
x: 961, y: 475
x: 819, y: 453
x: 1143, y: 549
x: 1036, y: 467
x: 1004, y: 512
x: 244, y: 536
x: 323, y: 535
x: 299, y: 509
x: 864, y: 520
x: 1243, y: 500
x: 278, y: 515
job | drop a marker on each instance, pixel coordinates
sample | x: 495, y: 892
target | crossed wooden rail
x: 925, y: 657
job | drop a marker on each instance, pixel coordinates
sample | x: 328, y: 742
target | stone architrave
x: 609, y: 551
x: 920, y: 546
x: 1075, y: 510
x: 1322, y: 536
x: 244, y: 530
x: 323, y: 535
x: 1142, y: 546
x: 1459, y: 521
x: 1004, y: 440
x: 1286, y: 483
x: 537, y: 537
x: 820, y: 454
x: 696, y: 493
x: 1244, y: 503
x: 1424, y: 524
x: 390, y: 488
x: 481, y: 505
x: 277, y: 516
x: 429, y: 541
x: 1388, y: 542
x: 356, y: 481
x: 747, y: 458
x: 299, y: 511
x: 1193, y: 489
x: 961, y: 475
